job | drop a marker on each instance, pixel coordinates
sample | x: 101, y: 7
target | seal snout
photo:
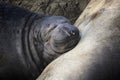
x: 66, y: 34
x: 70, y: 30
x: 65, y: 37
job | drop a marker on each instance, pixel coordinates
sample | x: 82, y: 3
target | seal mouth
x: 67, y: 40
x: 65, y: 45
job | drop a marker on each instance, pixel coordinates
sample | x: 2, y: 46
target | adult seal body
x: 29, y: 41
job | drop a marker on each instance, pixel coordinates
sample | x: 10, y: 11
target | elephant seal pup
x: 29, y: 41
x: 97, y: 55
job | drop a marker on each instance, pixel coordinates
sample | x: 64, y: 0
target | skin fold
x: 96, y: 57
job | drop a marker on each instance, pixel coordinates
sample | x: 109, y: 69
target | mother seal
x: 29, y: 41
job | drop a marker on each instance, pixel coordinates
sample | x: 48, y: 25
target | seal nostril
x: 73, y: 33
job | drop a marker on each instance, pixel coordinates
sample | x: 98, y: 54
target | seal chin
x: 61, y: 46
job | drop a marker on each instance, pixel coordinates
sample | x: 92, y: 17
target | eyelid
x: 51, y: 27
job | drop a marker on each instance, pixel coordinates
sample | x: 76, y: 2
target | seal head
x: 59, y: 36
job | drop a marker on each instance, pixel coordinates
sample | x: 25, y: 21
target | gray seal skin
x: 29, y: 41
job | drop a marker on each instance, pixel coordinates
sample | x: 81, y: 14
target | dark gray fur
x: 29, y: 41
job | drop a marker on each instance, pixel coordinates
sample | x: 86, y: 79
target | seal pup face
x: 59, y: 36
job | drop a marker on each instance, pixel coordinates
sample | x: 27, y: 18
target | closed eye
x: 51, y: 28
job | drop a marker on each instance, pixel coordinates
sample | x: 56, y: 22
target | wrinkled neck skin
x: 33, y: 45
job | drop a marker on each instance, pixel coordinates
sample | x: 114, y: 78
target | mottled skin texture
x: 97, y: 55
x: 29, y: 41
